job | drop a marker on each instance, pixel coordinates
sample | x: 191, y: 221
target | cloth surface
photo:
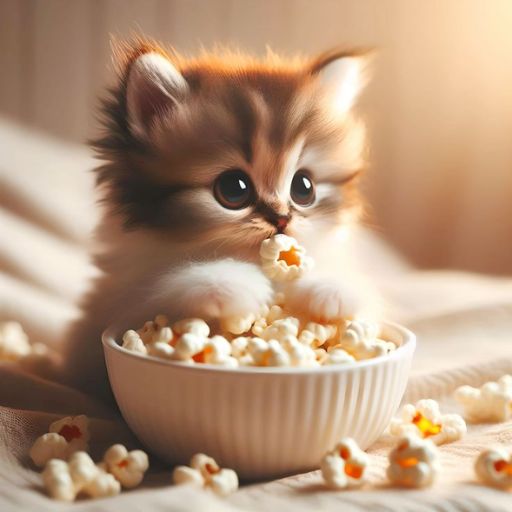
x: 463, y: 322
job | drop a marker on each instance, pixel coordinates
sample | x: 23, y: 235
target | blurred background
x: 439, y: 107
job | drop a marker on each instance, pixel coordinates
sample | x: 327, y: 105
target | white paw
x: 216, y: 289
x: 324, y: 300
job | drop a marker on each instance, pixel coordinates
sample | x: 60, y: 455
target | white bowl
x: 262, y: 422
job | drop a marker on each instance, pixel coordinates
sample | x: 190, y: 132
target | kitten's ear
x: 342, y: 76
x: 153, y: 86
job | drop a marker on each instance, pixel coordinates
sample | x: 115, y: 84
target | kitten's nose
x: 281, y: 222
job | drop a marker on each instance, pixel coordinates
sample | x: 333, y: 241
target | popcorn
x: 345, y: 465
x: 259, y: 327
x: 192, y: 326
x: 239, y: 346
x: 160, y: 349
x: 425, y: 420
x: 65, y: 480
x: 66, y: 436
x: 188, y: 345
x: 127, y: 467
x: 275, y: 355
x: 492, y: 402
x: 413, y: 462
x: 47, y: 447
x: 275, y: 312
x: 494, y: 467
x: 288, y: 326
x: 339, y: 356
x: 319, y: 333
x: 360, y: 339
x: 238, y: 324
x: 283, y: 259
x: 300, y: 355
x: 14, y: 343
x: 257, y: 348
x: 205, y: 471
x: 156, y: 331
x: 58, y: 481
x: 132, y: 341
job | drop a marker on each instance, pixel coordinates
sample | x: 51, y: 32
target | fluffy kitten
x: 203, y: 160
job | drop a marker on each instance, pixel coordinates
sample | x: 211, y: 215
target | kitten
x: 203, y: 160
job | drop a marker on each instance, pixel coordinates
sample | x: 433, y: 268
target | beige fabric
x: 464, y: 324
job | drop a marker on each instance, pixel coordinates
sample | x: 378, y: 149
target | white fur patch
x: 222, y: 288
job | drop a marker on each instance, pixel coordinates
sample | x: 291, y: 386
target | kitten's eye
x: 302, y: 190
x: 233, y: 189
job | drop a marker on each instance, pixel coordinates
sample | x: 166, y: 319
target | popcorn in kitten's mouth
x: 283, y: 258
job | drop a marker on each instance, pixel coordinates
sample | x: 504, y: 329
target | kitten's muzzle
x: 279, y: 220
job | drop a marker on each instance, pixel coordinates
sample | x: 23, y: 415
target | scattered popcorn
x: 132, y: 341
x: 283, y: 259
x: 413, y: 462
x: 66, y: 480
x: 47, y: 447
x: 425, y: 420
x: 58, y: 481
x: 360, y: 339
x: 490, y: 403
x: 204, y: 471
x: 75, y: 430
x: 345, y: 465
x: 494, y: 467
x: 66, y: 436
x: 127, y: 467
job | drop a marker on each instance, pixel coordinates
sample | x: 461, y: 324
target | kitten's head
x: 229, y: 150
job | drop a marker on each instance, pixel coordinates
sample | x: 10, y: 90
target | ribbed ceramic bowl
x: 262, y: 422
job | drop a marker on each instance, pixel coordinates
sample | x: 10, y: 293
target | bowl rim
x: 407, y: 345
